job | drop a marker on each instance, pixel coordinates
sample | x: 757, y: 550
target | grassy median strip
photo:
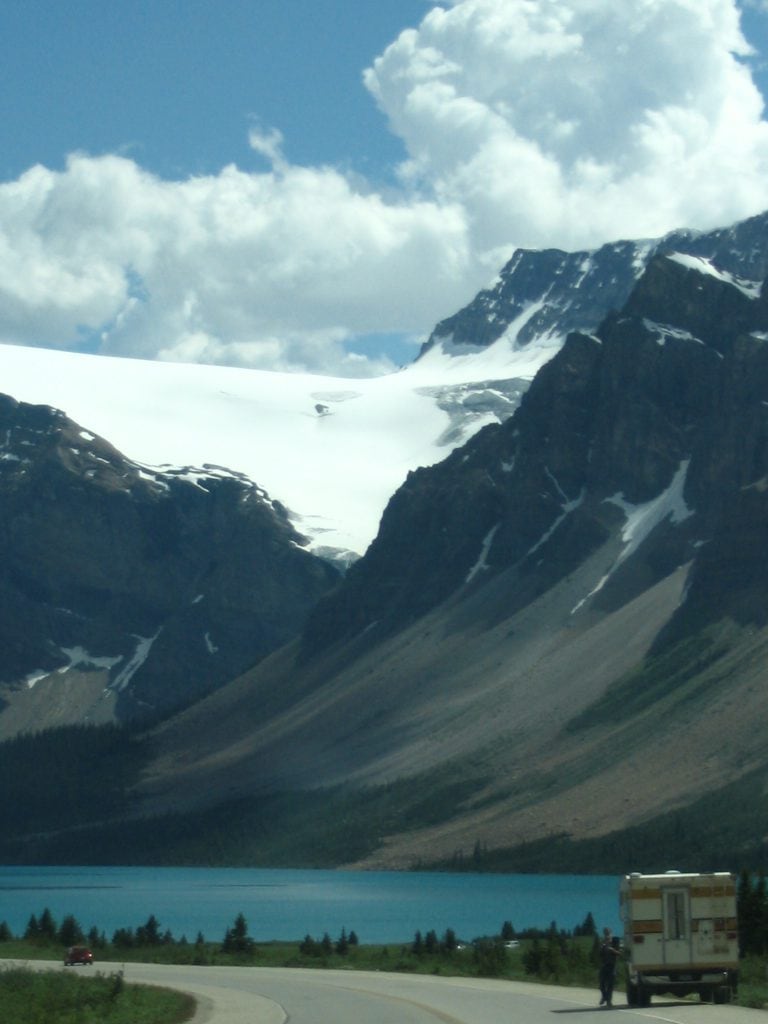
x: 56, y: 997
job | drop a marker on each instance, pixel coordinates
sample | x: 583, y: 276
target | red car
x: 78, y: 955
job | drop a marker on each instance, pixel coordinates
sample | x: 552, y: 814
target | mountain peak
x: 564, y: 602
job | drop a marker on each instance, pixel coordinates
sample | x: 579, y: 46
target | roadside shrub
x: 53, y: 997
x: 490, y: 958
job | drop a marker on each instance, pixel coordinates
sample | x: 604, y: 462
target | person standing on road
x: 609, y: 954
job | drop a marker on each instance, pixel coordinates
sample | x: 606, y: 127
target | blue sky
x: 305, y: 184
x: 175, y: 83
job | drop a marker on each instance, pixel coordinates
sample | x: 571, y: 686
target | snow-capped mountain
x: 541, y: 295
x: 560, y: 629
x: 558, y: 625
x: 334, y: 450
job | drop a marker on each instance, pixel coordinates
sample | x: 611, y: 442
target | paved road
x: 243, y: 995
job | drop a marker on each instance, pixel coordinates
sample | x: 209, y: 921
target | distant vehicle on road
x: 78, y: 955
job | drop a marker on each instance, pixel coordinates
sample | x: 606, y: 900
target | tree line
x: 752, y: 911
x: 547, y: 951
x: 43, y: 930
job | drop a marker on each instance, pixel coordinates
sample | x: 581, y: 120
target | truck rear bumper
x: 716, y: 985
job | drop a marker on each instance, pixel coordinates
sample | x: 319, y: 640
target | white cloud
x: 559, y: 122
x: 571, y: 121
x: 255, y: 269
x: 268, y: 142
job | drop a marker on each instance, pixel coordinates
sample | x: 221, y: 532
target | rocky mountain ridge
x: 664, y: 403
x: 127, y: 591
x: 560, y: 629
x: 568, y: 613
x: 541, y: 294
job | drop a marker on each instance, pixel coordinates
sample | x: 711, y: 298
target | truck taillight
x: 638, y: 940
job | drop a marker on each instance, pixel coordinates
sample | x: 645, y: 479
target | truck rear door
x: 676, y: 919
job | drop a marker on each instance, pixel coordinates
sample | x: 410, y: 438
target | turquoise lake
x: 379, y: 906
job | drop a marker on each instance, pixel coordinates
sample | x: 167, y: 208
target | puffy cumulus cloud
x: 573, y: 121
x: 525, y: 122
x: 276, y: 269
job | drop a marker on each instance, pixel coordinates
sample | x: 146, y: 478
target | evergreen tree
x: 761, y: 915
x: 507, y: 931
x: 532, y: 958
x: 587, y: 927
x: 478, y: 854
x: 47, y: 926
x: 123, y: 938
x: 199, y: 956
x: 237, y: 939
x: 449, y: 940
x: 5, y: 932
x: 353, y: 939
x: 70, y: 932
x: 149, y: 934
x: 326, y: 944
x: 417, y: 946
x: 431, y: 945
x: 752, y: 910
x: 33, y: 929
x: 552, y: 959
x: 342, y: 946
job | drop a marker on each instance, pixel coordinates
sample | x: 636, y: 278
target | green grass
x: 56, y: 997
x: 753, y: 982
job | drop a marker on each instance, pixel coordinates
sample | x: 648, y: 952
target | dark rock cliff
x: 552, y: 292
x: 172, y: 581
x: 652, y: 431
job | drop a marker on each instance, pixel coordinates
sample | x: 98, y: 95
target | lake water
x: 289, y: 904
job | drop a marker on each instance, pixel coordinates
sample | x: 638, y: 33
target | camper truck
x: 680, y: 935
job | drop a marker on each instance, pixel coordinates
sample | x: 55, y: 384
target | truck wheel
x: 722, y: 994
x: 643, y: 995
x: 632, y: 996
